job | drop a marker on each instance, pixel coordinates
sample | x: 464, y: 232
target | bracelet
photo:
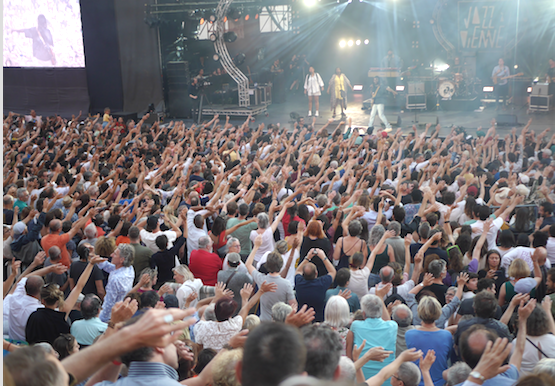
x: 111, y: 325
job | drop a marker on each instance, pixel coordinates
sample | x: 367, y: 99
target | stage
x: 471, y: 120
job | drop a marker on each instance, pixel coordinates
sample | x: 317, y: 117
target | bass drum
x: 446, y: 89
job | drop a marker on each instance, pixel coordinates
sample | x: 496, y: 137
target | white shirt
x: 20, y: 308
x: 359, y: 282
x: 291, y: 272
x: 551, y: 250
x: 313, y: 84
x: 478, y: 229
x: 402, y: 290
x: 215, y: 335
x: 149, y: 239
x: 187, y: 289
x: 523, y: 253
x: 194, y: 233
x: 268, y: 243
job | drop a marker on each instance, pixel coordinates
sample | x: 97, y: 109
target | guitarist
x: 501, y: 85
x: 379, y: 96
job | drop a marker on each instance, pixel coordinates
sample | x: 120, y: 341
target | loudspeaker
x: 179, y: 104
x: 540, y: 89
x: 425, y: 119
x: 506, y: 120
x: 416, y: 88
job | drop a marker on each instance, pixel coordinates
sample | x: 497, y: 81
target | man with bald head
x: 311, y: 289
x: 54, y: 238
x: 26, y: 300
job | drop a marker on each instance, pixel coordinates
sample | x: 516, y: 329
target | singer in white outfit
x: 313, y: 87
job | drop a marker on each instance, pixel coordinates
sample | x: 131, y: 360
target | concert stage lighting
x: 213, y: 37
x: 399, y: 88
x: 247, y: 17
x: 357, y: 87
x: 516, y: 66
x: 529, y: 90
x: 357, y: 42
x: 342, y: 43
x: 487, y: 89
x: 350, y: 43
x: 230, y: 37
x: 239, y: 59
x: 366, y: 41
x: 216, y: 57
x: 212, y: 18
x: 201, y: 21
x: 309, y: 3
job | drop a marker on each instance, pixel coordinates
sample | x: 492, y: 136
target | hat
x: 171, y: 301
x: 472, y: 191
x: 233, y: 258
x: 523, y: 178
x: 501, y: 195
x: 522, y: 190
x: 152, y: 222
x: 547, y: 152
x: 524, y: 286
x: 19, y: 228
x: 66, y: 201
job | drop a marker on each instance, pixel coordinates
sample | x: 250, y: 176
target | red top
x: 59, y: 241
x: 287, y: 220
x: 205, y: 266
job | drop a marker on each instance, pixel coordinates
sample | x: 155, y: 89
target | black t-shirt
x: 45, y: 325
x: 438, y: 251
x: 8, y: 216
x: 439, y: 290
x: 406, y: 199
x: 323, y: 244
x: 192, y: 90
x: 467, y: 308
x: 379, y: 93
x: 75, y: 272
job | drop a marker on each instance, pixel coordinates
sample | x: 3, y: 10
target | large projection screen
x: 43, y: 33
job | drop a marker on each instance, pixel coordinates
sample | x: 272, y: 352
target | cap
x: 524, y: 178
x: 19, y: 228
x: 524, y: 286
x: 472, y: 191
x: 152, y: 222
x: 233, y: 257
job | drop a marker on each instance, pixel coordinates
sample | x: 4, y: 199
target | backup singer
x: 338, y: 84
x: 313, y: 86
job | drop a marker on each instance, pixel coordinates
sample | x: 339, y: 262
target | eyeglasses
x: 397, y: 378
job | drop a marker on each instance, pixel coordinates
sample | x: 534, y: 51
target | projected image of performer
x: 313, y: 86
x: 338, y: 86
x: 379, y: 96
x: 499, y: 75
x: 43, y: 44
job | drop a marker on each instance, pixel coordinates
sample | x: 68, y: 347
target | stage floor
x: 471, y: 120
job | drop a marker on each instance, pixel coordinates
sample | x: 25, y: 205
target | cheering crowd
x: 226, y: 255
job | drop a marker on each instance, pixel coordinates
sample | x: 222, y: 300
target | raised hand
x: 462, y: 279
x: 302, y: 317
x: 268, y: 287
x: 428, y: 361
x: 124, y: 310
x: 358, y: 350
x: 345, y: 294
x: 428, y: 279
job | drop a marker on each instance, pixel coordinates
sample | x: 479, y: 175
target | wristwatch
x: 477, y: 375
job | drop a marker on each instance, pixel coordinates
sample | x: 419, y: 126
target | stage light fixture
x: 247, y: 17
x: 230, y: 37
x: 201, y: 20
x: 366, y: 41
x: 357, y: 42
x: 212, y: 18
x: 529, y: 90
x: 225, y: 19
x: 400, y: 88
x: 357, y: 87
x: 516, y: 66
x: 310, y: 3
x: 487, y: 89
x: 256, y: 16
x: 213, y: 37
x: 342, y: 43
x: 239, y: 59
x: 350, y: 43
x: 349, y: 1
x: 216, y: 57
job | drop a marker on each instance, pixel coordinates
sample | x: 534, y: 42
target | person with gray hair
x: 120, y: 281
x: 458, y: 373
x: 22, y: 199
x: 396, y: 242
x: 234, y: 247
x: 408, y: 374
x: 383, y: 253
x: 402, y: 315
x: 267, y: 232
x: 204, y: 264
x: 235, y: 276
x: 347, y: 372
x: 545, y: 366
x: 90, y: 235
x: 280, y: 310
x: 378, y: 331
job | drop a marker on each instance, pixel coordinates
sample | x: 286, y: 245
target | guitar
x: 497, y: 79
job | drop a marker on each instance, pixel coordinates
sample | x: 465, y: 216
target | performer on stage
x: 338, y: 84
x: 391, y: 61
x: 379, y: 96
x: 502, y: 87
x: 193, y: 96
x: 313, y: 86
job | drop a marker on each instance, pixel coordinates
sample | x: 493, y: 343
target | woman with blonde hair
x: 314, y: 237
x: 517, y: 271
x: 188, y: 287
x: 337, y: 316
x: 105, y: 246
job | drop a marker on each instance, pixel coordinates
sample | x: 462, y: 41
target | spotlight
x: 399, y: 88
x: 349, y: 1
x: 350, y: 43
x: 212, y: 18
x: 247, y: 17
x: 225, y: 19
x: 239, y: 59
x: 529, y: 90
x: 342, y: 43
x: 201, y: 20
x: 256, y: 16
x: 366, y: 41
x: 357, y: 87
x: 213, y: 37
x: 216, y: 57
x: 357, y: 42
x: 230, y: 37
x: 487, y: 89
x: 309, y: 3
x: 516, y: 66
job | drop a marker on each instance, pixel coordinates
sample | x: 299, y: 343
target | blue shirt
x: 504, y: 72
x: 508, y: 378
x: 120, y: 282
x: 313, y: 293
x: 440, y: 341
x: 353, y: 301
x: 377, y: 332
x: 147, y: 374
x: 86, y: 331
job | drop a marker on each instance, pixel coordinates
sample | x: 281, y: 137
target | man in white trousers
x: 379, y: 96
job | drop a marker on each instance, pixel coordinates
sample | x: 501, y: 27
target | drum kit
x: 459, y: 84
